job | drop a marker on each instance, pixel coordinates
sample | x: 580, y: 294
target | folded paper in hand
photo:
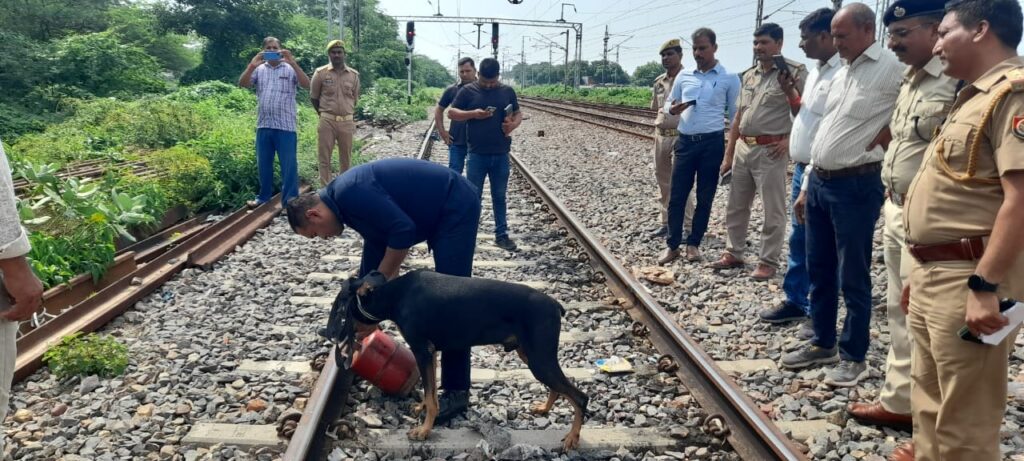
x: 1016, y: 316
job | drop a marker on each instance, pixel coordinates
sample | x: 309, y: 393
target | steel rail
x: 428, y: 142
x: 583, y: 111
x: 628, y: 110
x: 750, y: 433
x: 119, y: 295
x: 592, y: 122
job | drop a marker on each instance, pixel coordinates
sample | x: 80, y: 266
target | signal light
x: 410, y: 32
x: 494, y: 35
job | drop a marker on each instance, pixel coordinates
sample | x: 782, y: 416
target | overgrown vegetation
x: 387, y: 102
x: 86, y: 355
x: 626, y: 96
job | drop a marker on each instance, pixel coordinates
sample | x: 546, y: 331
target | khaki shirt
x: 662, y: 88
x: 337, y: 90
x: 765, y: 107
x: 925, y: 98
x: 940, y: 208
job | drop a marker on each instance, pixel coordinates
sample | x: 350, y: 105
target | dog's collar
x: 359, y: 305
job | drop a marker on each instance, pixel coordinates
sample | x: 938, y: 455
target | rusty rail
x: 550, y: 110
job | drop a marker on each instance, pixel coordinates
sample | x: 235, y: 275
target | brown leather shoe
x: 727, y: 261
x: 875, y: 415
x: 763, y: 272
x: 668, y: 256
x: 903, y: 452
x: 693, y: 254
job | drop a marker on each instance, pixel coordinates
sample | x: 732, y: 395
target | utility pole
x: 605, y: 66
x: 760, y: 13
x: 837, y: 4
x: 522, y: 60
x: 566, y: 58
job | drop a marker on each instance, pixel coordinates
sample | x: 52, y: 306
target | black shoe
x: 452, y: 404
x: 505, y: 243
x: 783, y: 312
x: 661, y: 232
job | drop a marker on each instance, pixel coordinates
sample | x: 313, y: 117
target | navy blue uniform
x: 400, y: 202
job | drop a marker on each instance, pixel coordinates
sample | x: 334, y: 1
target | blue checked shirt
x: 275, y: 95
x: 716, y: 99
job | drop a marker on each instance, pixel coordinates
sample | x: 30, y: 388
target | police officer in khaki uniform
x: 666, y: 134
x: 924, y: 100
x: 962, y: 217
x: 757, y: 152
x: 334, y: 92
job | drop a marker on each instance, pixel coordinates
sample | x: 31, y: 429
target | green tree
x: 233, y: 29
x: 44, y: 20
x: 645, y: 74
x: 101, y: 65
x: 139, y: 26
x: 430, y: 72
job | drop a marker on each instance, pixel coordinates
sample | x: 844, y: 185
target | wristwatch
x: 978, y: 283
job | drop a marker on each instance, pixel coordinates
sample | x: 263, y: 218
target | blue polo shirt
x: 397, y: 202
x: 716, y: 99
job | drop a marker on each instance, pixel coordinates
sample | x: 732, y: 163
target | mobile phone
x: 966, y: 335
x: 491, y: 109
x: 271, y: 55
x: 780, y: 63
x: 508, y: 108
x: 725, y: 178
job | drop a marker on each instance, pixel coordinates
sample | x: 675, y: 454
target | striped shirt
x: 860, y: 101
x: 812, y: 109
x: 13, y: 239
x: 275, y: 94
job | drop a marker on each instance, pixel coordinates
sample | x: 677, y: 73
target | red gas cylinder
x: 386, y: 364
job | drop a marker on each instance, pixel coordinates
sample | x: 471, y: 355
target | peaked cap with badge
x: 906, y: 9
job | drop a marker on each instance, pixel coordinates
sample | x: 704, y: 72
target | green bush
x: 624, y: 96
x: 86, y: 355
x: 58, y: 259
x: 101, y: 65
x: 387, y: 102
x: 188, y: 178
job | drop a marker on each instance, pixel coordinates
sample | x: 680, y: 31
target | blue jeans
x: 840, y: 225
x: 496, y: 167
x: 269, y: 141
x: 457, y: 157
x: 796, y: 284
x: 698, y: 161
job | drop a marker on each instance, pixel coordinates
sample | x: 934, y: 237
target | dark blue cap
x: 906, y: 9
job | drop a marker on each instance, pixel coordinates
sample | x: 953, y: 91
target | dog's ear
x: 339, y: 324
x: 372, y: 281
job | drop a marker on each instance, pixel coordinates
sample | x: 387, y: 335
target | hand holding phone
x: 271, y: 55
x: 965, y: 333
x: 780, y: 63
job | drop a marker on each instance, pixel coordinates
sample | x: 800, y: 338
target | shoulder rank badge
x: 1017, y: 126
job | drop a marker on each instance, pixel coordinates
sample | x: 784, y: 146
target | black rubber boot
x: 452, y: 404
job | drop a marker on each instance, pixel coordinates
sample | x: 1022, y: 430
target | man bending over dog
x: 394, y: 204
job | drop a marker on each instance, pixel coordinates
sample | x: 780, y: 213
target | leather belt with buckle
x: 336, y: 118
x: 763, y: 139
x: 897, y: 199
x: 864, y: 168
x: 701, y: 136
x: 667, y: 132
x: 966, y: 249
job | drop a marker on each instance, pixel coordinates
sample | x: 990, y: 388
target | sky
x: 638, y: 27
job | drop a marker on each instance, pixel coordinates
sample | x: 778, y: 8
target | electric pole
x: 760, y: 13
x: 566, y: 58
x: 605, y: 66
x: 837, y: 4
x: 522, y: 61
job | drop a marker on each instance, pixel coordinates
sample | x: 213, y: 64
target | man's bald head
x: 853, y: 30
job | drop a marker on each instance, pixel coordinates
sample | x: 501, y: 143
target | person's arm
x: 315, y: 87
x: 654, y: 96
x: 300, y: 76
x: 246, y: 80
x: 392, y: 262
x: 730, y: 145
x: 22, y: 285
x: 513, y: 120
x: 358, y: 87
x: 439, y: 123
x: 1002, y: 251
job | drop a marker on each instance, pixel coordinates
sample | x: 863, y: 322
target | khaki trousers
x: 330, y: 133
x: 8, y: 354
x: 895, y: 393
x: 753, y: 173
x: 664, y: 150
x: 959, y: 389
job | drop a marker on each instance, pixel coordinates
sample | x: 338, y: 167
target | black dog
x: 437, y: 312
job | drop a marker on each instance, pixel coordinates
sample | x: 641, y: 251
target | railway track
x: 641, y: 126
x: 672, y: 375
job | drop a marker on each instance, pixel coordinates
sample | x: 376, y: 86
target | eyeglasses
x: 903, y: 33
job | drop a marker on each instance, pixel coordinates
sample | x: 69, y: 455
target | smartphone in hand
x: 725, y: 178
x: 780, y: 63
x: 966, y: 335
x: 271, y: 55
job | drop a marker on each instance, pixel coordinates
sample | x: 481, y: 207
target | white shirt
x: 812, y: 109
x: 860, y: 102
x: 13, y: 239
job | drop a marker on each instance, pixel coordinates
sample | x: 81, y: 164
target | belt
x: 851, y: 171
x: 701, y: 136
x: 336, y: 118
x: 667, y: 132
x: 966, y: 249
x: 897, y: 199
x: 763, y: 139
